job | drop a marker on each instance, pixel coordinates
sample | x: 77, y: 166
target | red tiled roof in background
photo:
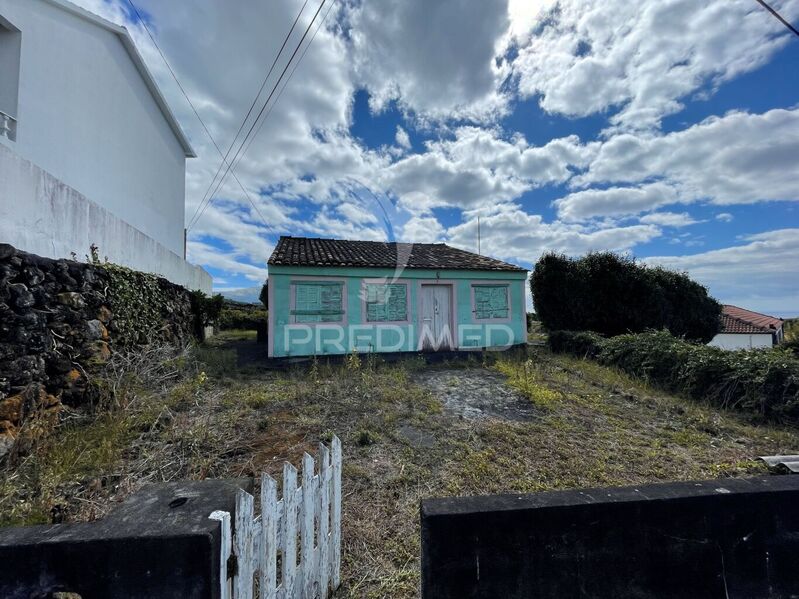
x: 305, y: 251
x: 739, y: 320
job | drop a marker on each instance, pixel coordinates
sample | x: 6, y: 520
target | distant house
x: 329, y: 296
x: 744, y: 329
x: 90, y: 153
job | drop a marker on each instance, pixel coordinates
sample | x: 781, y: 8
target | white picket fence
x: 313, y: 510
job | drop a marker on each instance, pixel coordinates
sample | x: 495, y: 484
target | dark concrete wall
x: 725, y: 538
x: 159, y: 544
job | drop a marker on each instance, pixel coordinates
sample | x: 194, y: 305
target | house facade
x: 329, y: 297
x: 744, y: 329
x: 90, y: 152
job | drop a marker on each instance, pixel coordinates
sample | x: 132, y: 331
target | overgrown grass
x: 763, y: 383
x: 140, y: 394
x: 592, y: 426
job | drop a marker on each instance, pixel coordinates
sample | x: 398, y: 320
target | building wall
x: 42, y: 215
x: 86, y: 116
x: 367, y: 337
x: 741, y: 341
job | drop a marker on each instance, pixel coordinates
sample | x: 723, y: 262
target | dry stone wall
x: 60, y: 320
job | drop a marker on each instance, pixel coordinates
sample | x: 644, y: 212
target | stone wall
x: 59, y: 322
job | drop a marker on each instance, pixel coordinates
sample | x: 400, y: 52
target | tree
x: 264, y: 296
x: 612, y: 294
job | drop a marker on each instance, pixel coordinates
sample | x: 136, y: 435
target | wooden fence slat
x: 243, y: 540
x: 315, y: 507
x: 307, y: 526
x: 268, y: 554
x: 323, y: 542
x: 226, y: 535
x: 335, y: 548
x: 289, y: 539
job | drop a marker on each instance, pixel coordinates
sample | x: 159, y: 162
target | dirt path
x: 476, y: 394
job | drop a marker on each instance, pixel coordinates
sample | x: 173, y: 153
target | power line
x: 252, y: 106
x: 194, y: 109
x: 232, y: 163
x: 778, y: 17
x: 288, y: 79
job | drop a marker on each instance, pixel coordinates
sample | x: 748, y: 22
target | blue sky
x: 667, y: 129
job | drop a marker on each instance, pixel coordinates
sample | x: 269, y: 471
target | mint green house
x: 329, y: 296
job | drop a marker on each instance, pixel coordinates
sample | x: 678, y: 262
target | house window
x: 318, y: 301
x: 386, y: 302
x: 491, y: 301
x: 10, y: 45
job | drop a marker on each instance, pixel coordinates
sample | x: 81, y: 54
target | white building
x: 744, y: 329
x: 90, y: 153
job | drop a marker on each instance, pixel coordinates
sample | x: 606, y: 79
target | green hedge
x: 763, y: 382
x: 612, y: 294
x: 233, y: 318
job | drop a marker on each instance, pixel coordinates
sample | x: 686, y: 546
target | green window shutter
x: 386, y: 302
x: 318, y: 302
x: 491, y: 301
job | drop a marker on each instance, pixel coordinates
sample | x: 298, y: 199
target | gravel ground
x: 476, y: 394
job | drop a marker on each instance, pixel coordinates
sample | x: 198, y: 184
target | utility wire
x: 249, y: 112
x: 233, y: 162
x: 288, y: 79
x: 779, y: 17
x: 194, y: 109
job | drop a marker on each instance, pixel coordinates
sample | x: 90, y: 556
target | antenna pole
x: 478, y: 236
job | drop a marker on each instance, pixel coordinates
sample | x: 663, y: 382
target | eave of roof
x: 138, y: 61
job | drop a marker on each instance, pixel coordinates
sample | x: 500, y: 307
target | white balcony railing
x: 8, y: 126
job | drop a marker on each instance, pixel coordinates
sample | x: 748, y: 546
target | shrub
x: 578, y: 343
x: 236, y: 318
x: 764, y: 382
x: 612, y: 294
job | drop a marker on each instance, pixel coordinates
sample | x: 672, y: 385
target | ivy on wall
x: 141, y: 303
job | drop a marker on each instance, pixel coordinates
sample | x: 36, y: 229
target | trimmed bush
x: 612, y: 294
x: 763, y: 382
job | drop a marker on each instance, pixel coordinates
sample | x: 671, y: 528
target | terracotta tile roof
x: 305, y: 251
x: 739, y: 320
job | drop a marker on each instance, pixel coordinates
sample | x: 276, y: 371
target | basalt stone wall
x: 59, y: 322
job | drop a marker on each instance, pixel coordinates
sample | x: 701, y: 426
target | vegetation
x: 193, y: 413
x: 140, y: 302
x: 612, y: 294
x: 243, y: 317
x: 206, y: 311
x: 761, y: 382
x: 264, y: 295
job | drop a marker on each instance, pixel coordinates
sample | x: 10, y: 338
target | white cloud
x: 614, y: 201
x: 760, y: 274
x: 669, y: 219
x: 643, y: 58
x: 724, y: 217
x: 478, y: 168
x: 514, y: 234
x: 228, y: 262
x: 739, y: 158
x: 435, y: 58
x: 402, y: 138
x: 422, y: 229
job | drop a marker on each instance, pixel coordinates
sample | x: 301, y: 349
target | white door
x: 436, y: 327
